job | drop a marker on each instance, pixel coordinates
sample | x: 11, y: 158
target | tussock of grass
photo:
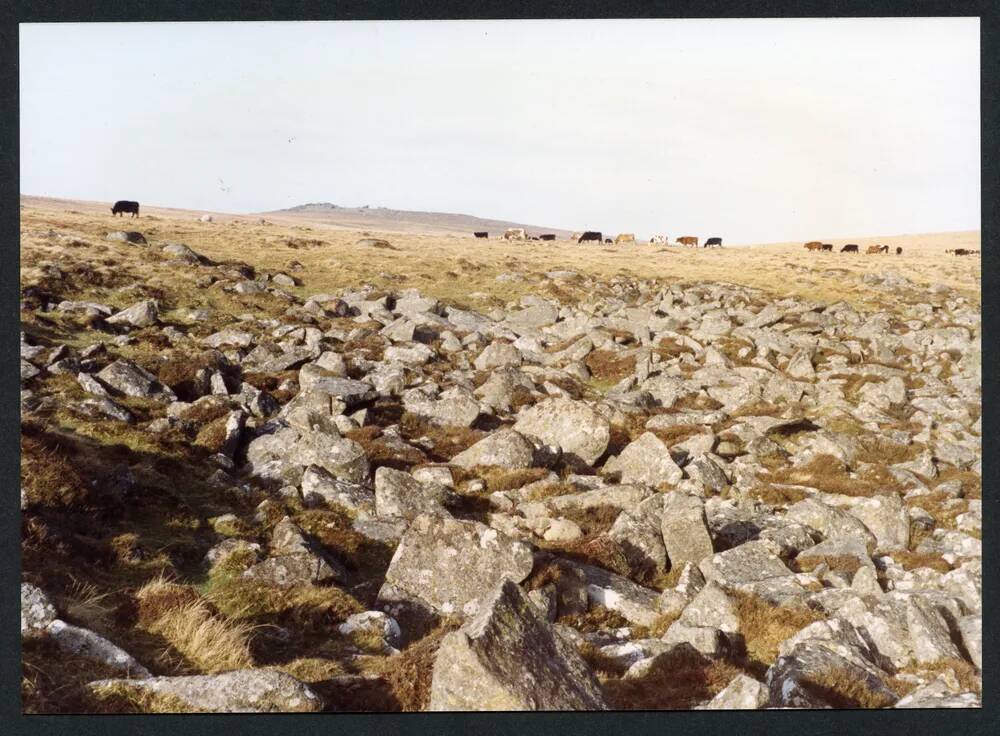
x: 827, y: 473
x: 210, y: 642
x: 409, y: 674
x: 773, y: 495
x: 910, y: 560
x: 597, y: 618
x: 550, y: 490
x: 122, y: 698
x: 679, y: 679
x: 842, y: 689
x: 764, y: 626
x: 446, y: 442
x: 499, y: 479
x: 608, y: 365
x: 837, y: 563
x: 963, y: 671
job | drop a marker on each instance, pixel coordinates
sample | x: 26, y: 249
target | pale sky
x: 751, y: 130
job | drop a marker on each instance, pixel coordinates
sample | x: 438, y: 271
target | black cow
x: 827, y: 246
x: 899, y: 250
x: 547, y: 236
x: 533, y: 237
x: 609, y: 241
x: 850, y: 248
x: 481, y: 235
x: 591, y: 236
x: 713, y: 243
x: 124, y: 205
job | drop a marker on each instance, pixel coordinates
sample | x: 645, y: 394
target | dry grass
x: 597, y: 618
x: 192, y: 626
x: 409, y: 674
x: 499, y: 479
x: 679, y: 679
x: 837, y: 563
x: 827, y: 473
x: 610, y: 366
x: 764, y: 626
x: 963, y: 671
x: 913, y: 560
x: 843, y: 689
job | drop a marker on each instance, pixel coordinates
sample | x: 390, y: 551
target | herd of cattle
x: 595, y: 236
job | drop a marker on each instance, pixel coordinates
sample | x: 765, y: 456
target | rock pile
x: 662, y: 456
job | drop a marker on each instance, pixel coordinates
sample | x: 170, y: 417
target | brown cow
x: 625, y: 238
x: 814, y: 245
x: 689, y: 240
x: 874, y: 249
x: 899, y: 250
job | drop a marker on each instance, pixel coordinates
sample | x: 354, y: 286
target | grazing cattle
x: 827, y: 247
x: 533, y: 237
x: 899, y: 250
x: 608, y: 241
x: 813, y: 245
x: 515, y: 233
x: 124, y: 205
x: 576, y: 236
x: 689, y: 240
x: 849, y: 248
x: 962, y: 252
x: 547, y: 236
x: 874, y: 249
x: 482, y: 234
x: 624, y: 238
x: 713, y: 243
x: 658, y: 240
x: 590, y: 236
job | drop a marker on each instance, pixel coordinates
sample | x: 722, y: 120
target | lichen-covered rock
x: 450, y: 565
x: 140, y: 314
x: 831, y: 522
x: 570, y: 425
x: 126, y: 377
x: 505, y: 449
x: 399, y: 495
x: 742, y: 693
x: 37, y: 611
x: 685, y: 529
x: 85, y: 643
x: 507, y: 657
x: 645, y: 460
x: 241, y: 691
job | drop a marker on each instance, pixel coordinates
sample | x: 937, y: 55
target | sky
x: 750, y: 130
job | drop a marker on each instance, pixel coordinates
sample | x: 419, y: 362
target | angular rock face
x: 295, y: 560
x: 86, y: 643
x: 141, y: 314
x: 399, y: 495
x: 505, y: 449
x: 570, y: 425
x: 37, y: 611
x: 128, y: 378
x: 293, y: 451
x: 450, y: 565
x: 508, y: 658
x: 743, y: 693
x: 832, y: 523
x: 241, y: 691
x: 645, y: 460
x: 685, y: 529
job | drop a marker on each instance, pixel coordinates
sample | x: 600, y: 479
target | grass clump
x: 409, y: 674
x: 677, y: 680
x: 211, y: 642
x: 765, y: 626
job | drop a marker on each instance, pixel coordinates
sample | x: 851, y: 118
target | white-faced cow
x: 515, y: 233
x: 658, y: 240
